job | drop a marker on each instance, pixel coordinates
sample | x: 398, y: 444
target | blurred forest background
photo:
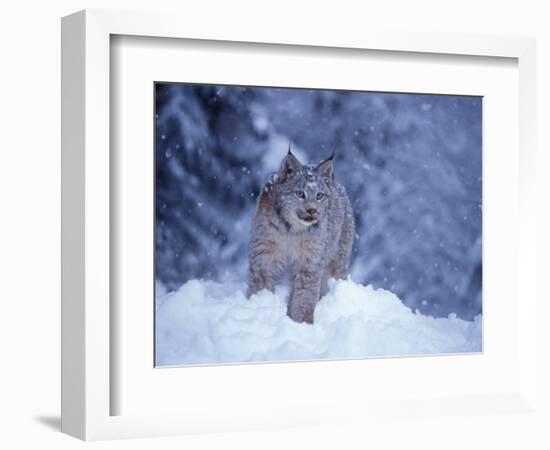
x: 412, y: 166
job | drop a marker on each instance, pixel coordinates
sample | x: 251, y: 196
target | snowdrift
x: 207, y: 323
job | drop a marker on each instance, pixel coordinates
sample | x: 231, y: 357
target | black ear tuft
x: 326, y: 169
x: 289, y: 165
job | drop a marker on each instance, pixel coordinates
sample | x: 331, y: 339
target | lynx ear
x: 326, y: 169
x: 289, y: 165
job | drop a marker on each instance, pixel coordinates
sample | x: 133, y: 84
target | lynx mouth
x: 307, y: 219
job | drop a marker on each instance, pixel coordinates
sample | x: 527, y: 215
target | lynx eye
x: 300, y: 194
x: 320, y: 195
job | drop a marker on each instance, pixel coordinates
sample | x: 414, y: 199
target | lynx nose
x: 311, y: 211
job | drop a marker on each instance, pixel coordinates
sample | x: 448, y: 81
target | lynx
x: 303, y: 228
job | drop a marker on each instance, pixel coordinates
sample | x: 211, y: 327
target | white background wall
x: 30, y: 188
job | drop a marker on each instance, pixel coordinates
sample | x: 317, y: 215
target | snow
x: 205, y: 322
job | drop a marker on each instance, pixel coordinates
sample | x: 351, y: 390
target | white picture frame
x: 87, y: 321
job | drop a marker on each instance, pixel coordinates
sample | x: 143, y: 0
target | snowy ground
x: 206, y: 323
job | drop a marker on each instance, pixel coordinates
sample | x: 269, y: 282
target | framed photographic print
x: 288, y: 210
x: 393, y: 200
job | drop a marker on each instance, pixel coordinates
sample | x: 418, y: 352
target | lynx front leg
x: 259, y: 277
x: 306, y: 291
x: 264, y: 266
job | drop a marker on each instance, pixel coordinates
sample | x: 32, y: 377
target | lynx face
x: 302, y: 192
